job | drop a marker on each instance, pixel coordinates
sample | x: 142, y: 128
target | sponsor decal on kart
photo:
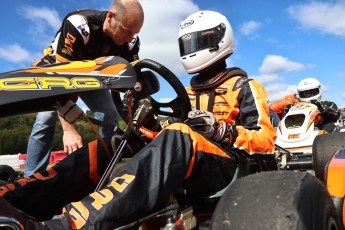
x: 46, y: 83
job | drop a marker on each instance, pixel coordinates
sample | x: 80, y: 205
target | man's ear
x: 110, y: 15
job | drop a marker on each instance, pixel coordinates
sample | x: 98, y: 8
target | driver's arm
x: 256, y: 135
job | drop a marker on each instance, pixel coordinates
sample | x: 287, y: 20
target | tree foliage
x: 15, y: 132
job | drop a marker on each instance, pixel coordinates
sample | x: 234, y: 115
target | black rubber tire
x: 324, y: 146
x: 7, y: 173
x: 276, y: 200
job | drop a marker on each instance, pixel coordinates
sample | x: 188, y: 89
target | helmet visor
x: 309, y: 93
x: 195, y: 41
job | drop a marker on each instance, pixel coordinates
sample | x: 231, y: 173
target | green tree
x: 15, y: 132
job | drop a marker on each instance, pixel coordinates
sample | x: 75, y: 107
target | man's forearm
x: 66, y: 126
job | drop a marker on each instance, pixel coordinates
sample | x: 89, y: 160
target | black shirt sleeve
x: 133, y: 50
x: 70, y: 45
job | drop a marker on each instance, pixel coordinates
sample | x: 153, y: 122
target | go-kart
x: 297, y: 129
x: 267, y: 192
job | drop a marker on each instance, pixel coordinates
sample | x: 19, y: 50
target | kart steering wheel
x: 180, y: 106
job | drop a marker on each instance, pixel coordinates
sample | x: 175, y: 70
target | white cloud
x: 278, y: 91
x: 264, y: 78
x: 249, y: 27
x: 160, y: 31
x: 50, y: 16
x: 44, y: 22
x: 14, y: 53
x: 325, y: 17
x: 271, y: 67
x: 273, y: 64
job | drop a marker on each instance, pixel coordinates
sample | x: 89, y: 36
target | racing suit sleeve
x: 256, y: 135
x: 280, y: 105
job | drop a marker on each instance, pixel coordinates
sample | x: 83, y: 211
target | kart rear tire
x: 324, y: 147
x: 7, y: 174
x: 276, y: 200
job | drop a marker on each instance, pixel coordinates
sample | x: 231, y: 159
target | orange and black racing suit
x: 178, y: 156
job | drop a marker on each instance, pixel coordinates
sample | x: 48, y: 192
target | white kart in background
x: 297, y: 130
x: 341, y: 123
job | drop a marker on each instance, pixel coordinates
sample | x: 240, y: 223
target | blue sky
x: 278, y: 43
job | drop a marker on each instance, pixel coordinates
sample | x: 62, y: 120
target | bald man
x: 86, y: 35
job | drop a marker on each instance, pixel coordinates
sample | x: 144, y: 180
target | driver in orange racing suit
x: 230, y: 117
x: 309, y: 90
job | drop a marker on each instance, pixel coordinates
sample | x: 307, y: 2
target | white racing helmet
x: 309, y: 89
x: 204, y: 38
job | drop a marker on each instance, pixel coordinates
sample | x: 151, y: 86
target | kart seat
x: 243, y: 169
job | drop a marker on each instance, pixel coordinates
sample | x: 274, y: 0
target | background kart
x: 297, y: 130
x: 263, y: 194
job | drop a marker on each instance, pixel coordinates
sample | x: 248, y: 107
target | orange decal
x: 22, y: 182
x: 6, y: 188
x: 26, y: 180
x: 113, y: 69
x: 120, y: 183
x: 51, y: 173
x: 67, y: 67
x: 293, y: 136
x: 78, y: 215
x: 69, y: 41
x: 101, y: 198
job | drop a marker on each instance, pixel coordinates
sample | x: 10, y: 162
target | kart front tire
x: 324, y: 147
x: 276, y: 200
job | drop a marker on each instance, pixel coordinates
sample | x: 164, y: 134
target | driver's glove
x: 226, y: 134
x: 202, y: 121
x: 287, y: 108
x: 319, y: 105
x: 207, y: 125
